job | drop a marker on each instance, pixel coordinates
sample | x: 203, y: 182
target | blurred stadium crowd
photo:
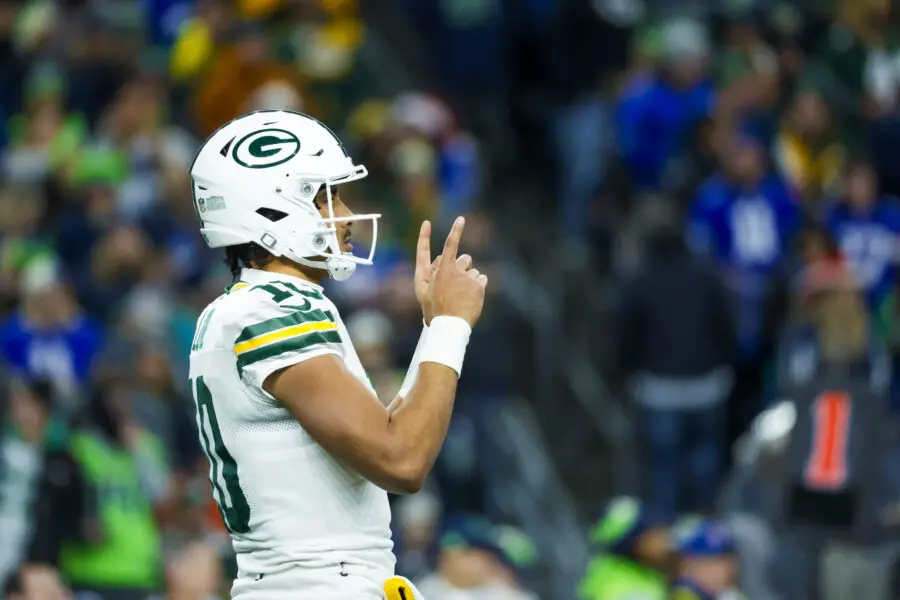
x: 102, y: 271
x: 749, y: 221
x: 724, y: 170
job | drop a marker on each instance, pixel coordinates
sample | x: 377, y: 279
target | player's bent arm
x: 426, y: 410
x: 393, y: 449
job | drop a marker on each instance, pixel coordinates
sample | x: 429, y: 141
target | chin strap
x: 339, y: 270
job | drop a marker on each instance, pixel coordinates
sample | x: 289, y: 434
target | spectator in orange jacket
x: 245, y: 60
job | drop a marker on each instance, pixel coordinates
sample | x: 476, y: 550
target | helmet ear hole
x: 271, y: 214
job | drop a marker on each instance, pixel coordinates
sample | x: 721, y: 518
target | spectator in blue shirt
x: 164, y: 18
x: 744, y: 218
x: 658, y: 112
x: 49, y: 336
x: 867, y: 228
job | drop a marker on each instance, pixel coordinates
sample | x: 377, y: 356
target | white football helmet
x: 255, y: 180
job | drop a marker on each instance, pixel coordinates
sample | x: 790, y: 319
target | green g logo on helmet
x: 265, y: 148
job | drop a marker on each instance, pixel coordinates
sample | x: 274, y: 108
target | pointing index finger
x: 423, y: 248
x: 451, y: 246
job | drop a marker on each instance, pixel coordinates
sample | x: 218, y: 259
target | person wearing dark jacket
x: 837, y: 478
x: 95, y: 530
x: 675, y: 344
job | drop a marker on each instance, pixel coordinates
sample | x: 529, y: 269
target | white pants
x: 350, y: 582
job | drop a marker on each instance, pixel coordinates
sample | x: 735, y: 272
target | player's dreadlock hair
x: 245, y: 255
x: 12, y: 586
x: 251, y: 253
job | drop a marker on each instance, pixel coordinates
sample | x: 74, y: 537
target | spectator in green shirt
x: 635, y: 555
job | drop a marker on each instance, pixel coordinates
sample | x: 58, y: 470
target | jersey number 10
x: 222, y: 468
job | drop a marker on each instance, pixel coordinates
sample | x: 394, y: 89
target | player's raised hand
x: 425, y: 269
x: 456, y: 289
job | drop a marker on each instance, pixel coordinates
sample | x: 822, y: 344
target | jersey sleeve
x: 273, y: 336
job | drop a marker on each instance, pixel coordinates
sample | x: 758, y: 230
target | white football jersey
x: 285, y: 500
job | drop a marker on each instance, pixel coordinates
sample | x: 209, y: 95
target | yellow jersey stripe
x: 284, y: 334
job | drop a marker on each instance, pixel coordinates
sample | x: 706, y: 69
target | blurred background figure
x: 707, y: 569
x: 832, y: 489
x: 371, y: 332
x: 50, y: 337
x: 866, y: 225
x: 33, y: 431
x: 659, y: 109
x: 43, y: 136
x: 635, y: 555
x: 807, y: 148
x: 477, y: 560
x: 750, y: 499
x: 416, y: 523
x: 676, y: 342
x: 95, y: 526
x: 743, y: 219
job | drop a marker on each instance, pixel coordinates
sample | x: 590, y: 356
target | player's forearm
x: 419, y: 418
x: 394, y: 448
x: 418, y: 424
x: 413, y: 370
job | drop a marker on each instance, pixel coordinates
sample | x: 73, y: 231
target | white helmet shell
x: 274, y: 162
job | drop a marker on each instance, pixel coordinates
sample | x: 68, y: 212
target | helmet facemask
x: 326, y: 239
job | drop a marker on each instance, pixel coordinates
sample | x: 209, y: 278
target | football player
x: 302, y: 453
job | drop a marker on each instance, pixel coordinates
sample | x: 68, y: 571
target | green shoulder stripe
x: 270, y: 325
x: 297, y: 290
x: 292, y: 344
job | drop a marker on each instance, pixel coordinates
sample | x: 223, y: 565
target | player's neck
x: 286, y: 267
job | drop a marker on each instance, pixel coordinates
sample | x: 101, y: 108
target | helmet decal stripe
x: 226, y: 147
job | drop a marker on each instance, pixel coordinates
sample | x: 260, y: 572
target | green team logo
x: 265, y: 148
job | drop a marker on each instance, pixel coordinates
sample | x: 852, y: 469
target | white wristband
x: 446, y: 342
x: 413, y: 371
